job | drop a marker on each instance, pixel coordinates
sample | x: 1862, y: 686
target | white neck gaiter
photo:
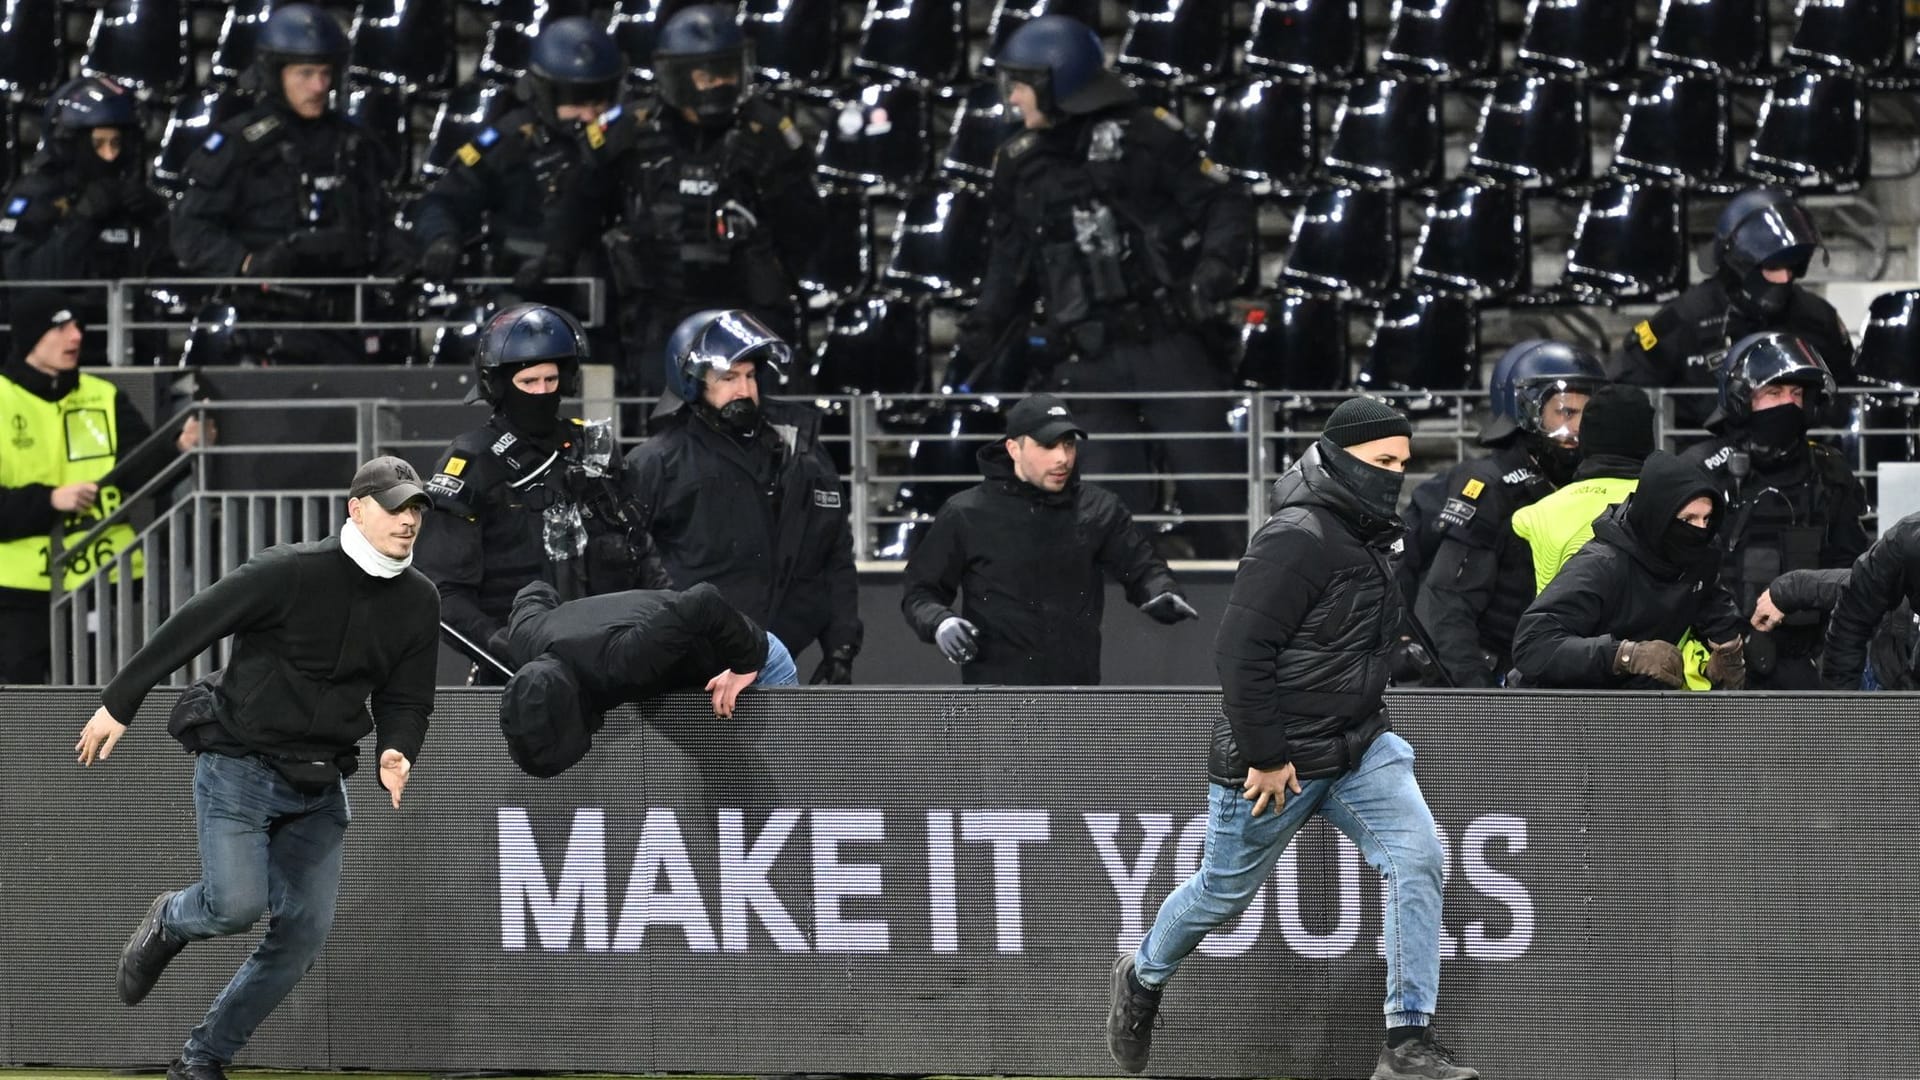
x: 362, y: 552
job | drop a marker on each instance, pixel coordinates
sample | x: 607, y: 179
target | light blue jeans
x: 1380, y: 808
x: 779, y: 669
x: 265, y: 848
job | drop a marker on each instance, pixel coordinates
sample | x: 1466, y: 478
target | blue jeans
x: 264, y: 847
x: 1380, y: 808
x: 779, y: 669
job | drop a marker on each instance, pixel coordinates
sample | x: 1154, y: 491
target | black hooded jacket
x: 1030, y: 563
x: 1623, y: 586
x: 630, y: 646
x: 1303, y: 647
x: 1881, y: 580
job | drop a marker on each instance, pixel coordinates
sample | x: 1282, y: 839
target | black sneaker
x: 1130, y: 1018
x: 146, y: 955
x: 181, y: 1070
x: 1420, y: 1059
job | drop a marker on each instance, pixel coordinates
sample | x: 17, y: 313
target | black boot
x: 146, y: 955
x: 180, y: 1070
x: 1422, y: 1058
x: 1130, y: 1014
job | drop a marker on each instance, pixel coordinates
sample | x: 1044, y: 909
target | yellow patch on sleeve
x: 469, y: 154
x: 1644, y: 331
x: 596, y: 136
x: 454, y: 466
x: 1473, y: 489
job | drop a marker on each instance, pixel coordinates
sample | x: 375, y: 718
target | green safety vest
x: 57, y: 443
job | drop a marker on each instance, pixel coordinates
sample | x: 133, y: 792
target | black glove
x: 441, y: 261
x: 958, y: 639
x: 836, y: 668
x: 535, y: 272
x: 1658, y: 660
x: 1169, y: 608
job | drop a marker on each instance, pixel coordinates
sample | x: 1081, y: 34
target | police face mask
x: 1376, y: 489
x: 741, y: 416
x: 1764, y: 299
x: 1777, y: 432
x: 537, y: 415
x: 1556, y: 462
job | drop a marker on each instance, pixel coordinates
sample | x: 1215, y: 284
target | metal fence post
x: 118, y: 347
x: 1256, y: 461
x: 860, y: 432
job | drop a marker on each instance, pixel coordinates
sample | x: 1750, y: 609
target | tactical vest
x: 56, y: 443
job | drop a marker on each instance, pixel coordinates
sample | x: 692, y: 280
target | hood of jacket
x: 1639, y: 524
x: 1310, y: 483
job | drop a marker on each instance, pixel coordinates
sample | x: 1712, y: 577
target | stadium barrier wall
x: 927, y: 881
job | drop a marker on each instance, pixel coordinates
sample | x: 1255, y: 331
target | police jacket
x: 630, y: 646
x: 528, y: 183
x: 762, y: 519
x: 1562, y: 522
x: 1107, y: 218
x: 269, y: 177
x: 1683, y: 343
x: 314, y: 639
x: 49, y: 232
x: 485, y: 537
x: 1884, y: 578
x: 1303, y: 648
x: 1621, y: 587
x: 1481, y: 575
x: 1031, y: 563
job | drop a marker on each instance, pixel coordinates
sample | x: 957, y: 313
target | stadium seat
x: 32, y: 49
x: 9, y: 142
x: 874, y: 345
x: 842, y: 259
x: 1317, y: 40
x: 1589, y: 38
x: 1890, y: 343
x: 980, y: 124
x: 1422, y: 342
x: 1295, y: 341
x: 464, y: 112
x: 404, y: 43
x: 1726, y: 38
x: 1474, y: 241
x: 233, y: 46
x: 1533, y: 133
x: 1441, y: 39
x: 1345, y: 242
x: 1812, y: 134
x: 1386, y: 134
x: 919, y: 40
x: 879, y: 138
x: 939, y: 245
x: 1859, y: 37
x: 193, y: 117
x: 383, y: 112
x: 796, y: 43
x: 1675, y: 130
x: 1176, y: 42
x: 949, y: 436
x: 1630, y: 244
x: 634, y: 25
x: 1263, y: 135
x: 142, y: 44
x: 1011, y: 15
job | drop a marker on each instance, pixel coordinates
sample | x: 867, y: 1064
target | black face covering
x: 741, y: 416
x: 1376, y: 489
x: 1762, y: 298
x: 1777, y: 433
x: 537, y: 415
x: 1556, y: 462
x: 1687, y: 546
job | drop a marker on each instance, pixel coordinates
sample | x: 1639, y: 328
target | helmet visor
x: 1783, y: 359
x: 1532, y: 398
x: 731, y: 337
x: 1772, y: 237
x: 1040, y: 79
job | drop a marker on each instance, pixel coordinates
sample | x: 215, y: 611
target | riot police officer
x: 739, y: 492
x: 290, y: 188
x: 529, y: 495
x: 527, y: 172
x: 1480, y: 575
x: 1106, y: 209
x: 716, y: 190
x: 1792, y: 504
x: 1762, y: 246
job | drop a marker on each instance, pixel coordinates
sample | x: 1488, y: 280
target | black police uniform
x: 62, y: 222
x: 764, y: 519
x: 1800, y: 513
x: 1479, y: 578
x: 1109, y: 217
x: 487, y: 535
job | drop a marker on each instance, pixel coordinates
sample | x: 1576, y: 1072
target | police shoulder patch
x: 1211, y: 171
x: 1473, y: 489
x: 1017, y: 145
x: 468, y: 154
x: 1644, y: 331
x: 17, y: 205
x: 489, y: 136
x: 826, y: 499
x: 261, y: 128
x: 1458, y: 513
x: 214, y: 142
x: 1172, y: 122
x: 445, y: 485
x: 454, y: 466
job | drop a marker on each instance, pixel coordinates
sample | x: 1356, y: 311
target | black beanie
x: 1618, y: 422
x: 1361, y: 419
x: 33, y: 313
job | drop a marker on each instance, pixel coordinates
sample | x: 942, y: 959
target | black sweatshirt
x: 630, y: 646
x: 314, y: 637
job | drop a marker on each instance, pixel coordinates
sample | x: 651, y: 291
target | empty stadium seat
x: 1174, y: 41
x: 948, y: 437
x: 1860, y: 37
x: 1441, y: 39
x: 1345, y: 241
x: 1011, y: 15
x: 1263, y: 135
x: 1474, y: 241
x: 1533, y: 132
x: 873, y: 345
x: 1589, y: 38
x: 142, y: 44
x: 1422, y: 342
x: 1630, y: 243
x: 383, y: 112
x: 193, y: 117
x: 921, y: 40
x: 980, y: 124
x: 1295, y: 341
x: 233, y: 49
x: 940, y: 244
x: 404, y: 43
x: 1726, y: 38
x: 879, y: 138
x: 464, y: 112
x: 1675, y: 130
x: 1889, y: 352
x: 1386, y: 133
x: 841, y: 263
x: 1812, y: 134
x: 634, y: 25
x: 796, y: 43
x: 32, y: 48
x: 1319, y: 40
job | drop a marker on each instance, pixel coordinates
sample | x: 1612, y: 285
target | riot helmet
x: 1525, y: 379
x: 296, y: 34
x: 522, y: 336
x: 1060, y: 57
x: 573, y: 62
x: 713, y: 341
x: 1770, y: 358
x: 82, y: 105
x: 702, y: 38
x: 1763, y: 230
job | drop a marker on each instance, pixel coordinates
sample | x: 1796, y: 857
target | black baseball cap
x: 1044, y: 418
x: 390, y: 482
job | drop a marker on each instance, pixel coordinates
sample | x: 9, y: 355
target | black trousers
x: 26, y: 658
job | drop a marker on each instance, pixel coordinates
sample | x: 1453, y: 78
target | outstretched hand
x: 725, y: 688
x: 98, y: 738
x: 394, y: 771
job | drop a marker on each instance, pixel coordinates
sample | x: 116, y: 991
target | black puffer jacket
x: 1303, y: 648
x: 1881, y: 580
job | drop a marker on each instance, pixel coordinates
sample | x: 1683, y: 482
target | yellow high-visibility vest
x: 57, y: 443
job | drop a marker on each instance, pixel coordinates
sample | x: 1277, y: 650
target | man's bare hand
x: 98, y: 738
x: 1766, y: 615
x: 73, y: 498
x: 725, y: 688
x: 1263, y: 784
x: 193, y: 433
x: 394, y: 770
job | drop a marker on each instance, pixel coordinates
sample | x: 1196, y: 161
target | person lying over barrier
x: 576, y: 660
